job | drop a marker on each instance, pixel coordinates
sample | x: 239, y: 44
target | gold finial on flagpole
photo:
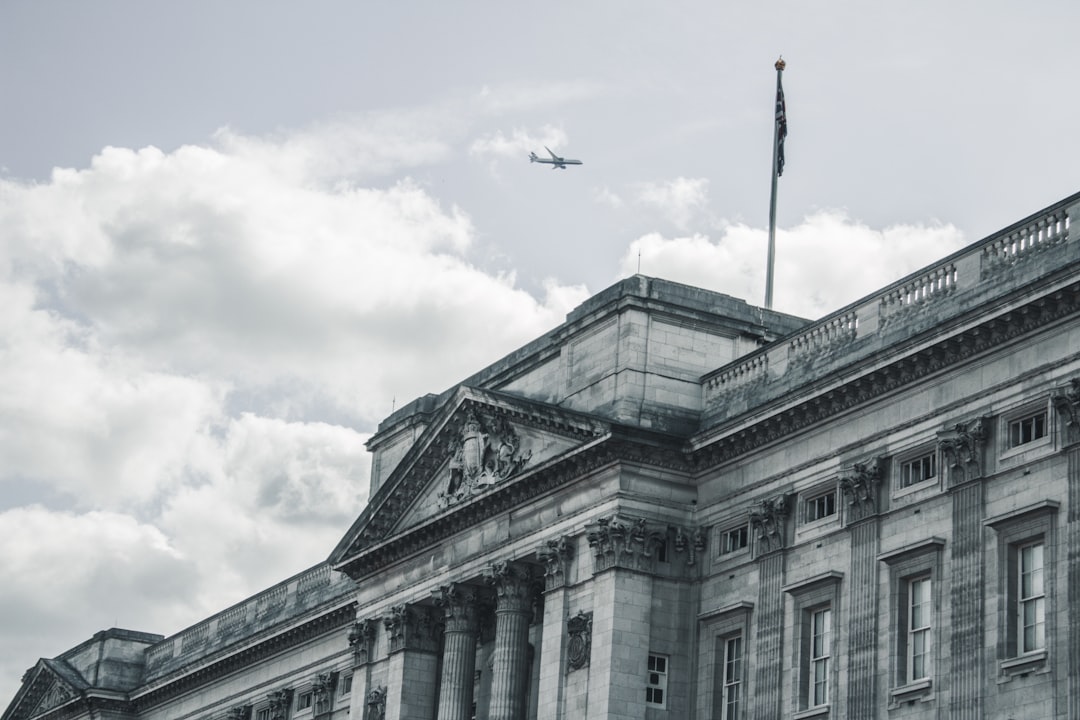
x: 780, y: 64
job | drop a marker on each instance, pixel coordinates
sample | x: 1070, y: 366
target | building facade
x: 677, y: 505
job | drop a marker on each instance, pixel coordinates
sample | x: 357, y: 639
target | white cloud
x: 605, y: 196
x: 679, y: 200
x: 822, y: 264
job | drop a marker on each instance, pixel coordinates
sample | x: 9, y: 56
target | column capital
x: 460, y: 606
x: 768, y: 517
x: 412, y: 627
x: 860, y: 487
x: 624, y: 542
x: 362, y: 640
x: 555, y: 554
x: 963, y: 444
x: 1066, y: 402
x: 513, y: 583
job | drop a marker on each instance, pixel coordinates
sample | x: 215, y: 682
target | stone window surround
x: 911, y: 562
x: 916, y: 452
x: 721, y: 533
x: 1033, y: 523
x: 811, y: 493
x: 663, y: 683
x: 719, y: 626
x: 809, y: 595
x: 1045, y: 443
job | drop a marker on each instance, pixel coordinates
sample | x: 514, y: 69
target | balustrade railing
x: 1025, y: 241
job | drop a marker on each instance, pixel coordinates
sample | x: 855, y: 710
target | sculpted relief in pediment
x: 487, y: 452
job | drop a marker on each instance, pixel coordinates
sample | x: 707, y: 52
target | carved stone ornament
x: 413, y: 627
x: 1067, y: 404
x: 460, y: 604
x: 322, y: 690
x: 962, y: 446
x: 55, y: 696
x: 692, y: 542
x: 514, y: 586
x: 555, y: 554
x: 362, y: 640
x: 487, y: 452
x: 578, y: 641
x: 279, y: 704
x: 240, y: 712
x: 624, y: 542
x: 376, y: 703
x: 767, y: 518
x: 860, y: 487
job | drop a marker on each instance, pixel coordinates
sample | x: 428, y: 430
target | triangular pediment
x: 46, y: 686
x: 480, y: 442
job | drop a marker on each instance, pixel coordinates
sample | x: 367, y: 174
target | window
x: 734, y: 540
x: 732, y: 687
x: 656, y: 688
x: 303, y: 701
x: 263, y: 714
x: 917, y: 634
x: 346, y: 685
x: 821, y: 506
x: 820, y: 642
x: 918, y: 470
x: 1025, y: 574
x: 1031, y: 601
x: 1027, y: 429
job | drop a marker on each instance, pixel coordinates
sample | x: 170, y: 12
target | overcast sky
x: 234, y: 235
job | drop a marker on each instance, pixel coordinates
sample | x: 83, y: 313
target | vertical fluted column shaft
x: 862, y: 697
x: 770, y: 637
x: 1073, y: 578
x: 459, y: 604
x: 513, y: 610
x: 967, y: 639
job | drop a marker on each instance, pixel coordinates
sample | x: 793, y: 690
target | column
x: 459, y: 604
x: 1067, y: 403
x: 362, y: 642
x: 768, y: 520
x: 513, y: 585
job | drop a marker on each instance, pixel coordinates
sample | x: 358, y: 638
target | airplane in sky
x: 555, y: 161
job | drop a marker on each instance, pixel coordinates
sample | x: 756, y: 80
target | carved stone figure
x: 578, y: 641
x: 860, y: 487
x: 767, y: 518
x: 487, y: 453
x: 963, y: 445
x: 376, y: 703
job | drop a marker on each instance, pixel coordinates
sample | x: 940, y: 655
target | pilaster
x: 621, y: 626
x: 963, y: 448
x: 414, y: 633
x: 768, y: 520
x: 1067, y: 404
x: 555, y: 554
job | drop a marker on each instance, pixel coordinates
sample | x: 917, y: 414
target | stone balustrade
x: 1000, y: 264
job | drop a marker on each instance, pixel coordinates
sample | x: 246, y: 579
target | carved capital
x: 460, y: 605
x: 240, y: 712
x: 962, y: 447
x: 629, y: 543
x: 1067, y: 404
x: 860, y: 487
x: 514, y: 586
x: 412, y: 627
x: 362, y: 640
x: 578, y: 641
x: 691, y: 541
x: 279, y: 702
x: 555, y: 554
x: 768, y: 518
x: 376, y: 703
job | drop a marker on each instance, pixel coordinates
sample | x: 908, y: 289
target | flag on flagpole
x: 781, y: 127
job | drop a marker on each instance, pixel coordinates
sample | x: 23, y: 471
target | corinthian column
x: 513, y: 610
x: 459, y: 651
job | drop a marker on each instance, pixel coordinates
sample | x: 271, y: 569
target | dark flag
x: 781, y: 127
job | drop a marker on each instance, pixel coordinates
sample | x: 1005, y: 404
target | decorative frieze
x: 578, y: 641
x: 691, y: 541
x: 624, y: 542
x: 376, y: 703
x: 860, y: 488
x: 768, y: 518
x: 362, y: 640
x: 487, y: 452
x: 555, y: 555
x: 962, y: 447
x: 1067, y: 404
x: 412, y: 627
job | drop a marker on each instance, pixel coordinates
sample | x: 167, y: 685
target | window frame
x: 305, y: 696
x: 810, y: 501
x: 662, y: 680
x: 1007, y: 448
x: 915, y: 455
x: 732, y: 676
x: 1032, y: 525
x: 717, y: 628
x: 811, y: 596
x: 725, y: 533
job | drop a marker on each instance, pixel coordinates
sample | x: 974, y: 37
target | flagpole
x: 780, y: 64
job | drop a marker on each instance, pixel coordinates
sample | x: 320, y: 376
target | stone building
x: 677, y: 505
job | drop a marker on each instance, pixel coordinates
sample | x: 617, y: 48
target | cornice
x: 947, y: 352
x: 183, y: 682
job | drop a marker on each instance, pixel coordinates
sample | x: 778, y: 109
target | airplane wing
x: 553, y: 155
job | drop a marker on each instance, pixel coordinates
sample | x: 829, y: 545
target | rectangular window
x: 734, y: 540
x: 918, y: 470
x: 820, y: 640
x: 1031, y: 600
x: 918, y: 629
x: 263, y: 714
x: 303, y: 701
x: 656, y: 688
x: 1027, y: 429
x: 821, y: 506
x: 346, y: 685
x: 732, y: 677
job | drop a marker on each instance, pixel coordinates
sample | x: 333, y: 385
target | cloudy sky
x: 234, y: 235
